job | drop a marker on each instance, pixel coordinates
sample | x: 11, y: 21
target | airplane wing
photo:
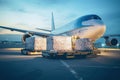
x: 112, y: 35
x: 25, y: 31
x: 44, y: 29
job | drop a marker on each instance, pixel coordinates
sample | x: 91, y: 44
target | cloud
x: 35, y: 13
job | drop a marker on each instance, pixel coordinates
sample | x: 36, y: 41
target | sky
x: 29, y: 14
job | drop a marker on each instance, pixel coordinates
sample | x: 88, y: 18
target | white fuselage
x: 92, y: 27
x: 92, y: 32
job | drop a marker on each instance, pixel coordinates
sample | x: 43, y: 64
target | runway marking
x: 71, y: 70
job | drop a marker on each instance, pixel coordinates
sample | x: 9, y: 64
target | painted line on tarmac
x: 71, y: 70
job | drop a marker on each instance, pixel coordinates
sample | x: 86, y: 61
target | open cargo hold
x: 35, y: 43
x: 83, y: 44
x: 59, y: 43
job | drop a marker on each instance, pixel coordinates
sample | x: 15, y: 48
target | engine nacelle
x: 111, y: 42
x: 27, y: 35
x: 114, y: 41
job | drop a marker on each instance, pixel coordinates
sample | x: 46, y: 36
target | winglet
x: 52, y: 22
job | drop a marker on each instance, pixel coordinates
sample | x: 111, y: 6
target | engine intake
x: 114, y: 42
x: 26, y: 36
x: 111, y: 42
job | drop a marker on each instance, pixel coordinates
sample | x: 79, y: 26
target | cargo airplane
x: 88, y: 26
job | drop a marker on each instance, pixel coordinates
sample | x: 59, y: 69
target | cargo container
x: 83, y: 44
x: 59, y: 43
x: 68, y: 47
x: 34, y: 45
x: 54, y: 46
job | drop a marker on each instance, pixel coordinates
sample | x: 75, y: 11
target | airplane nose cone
x: 100, y: 30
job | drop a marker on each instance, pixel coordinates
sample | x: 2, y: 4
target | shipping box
x: 35, y: 43
x: 83, y: 44
x: 59, y: 43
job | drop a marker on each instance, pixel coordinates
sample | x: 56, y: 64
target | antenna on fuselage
x: 52, y: 23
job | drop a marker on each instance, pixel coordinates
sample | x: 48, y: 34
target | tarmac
x: 15, y: 66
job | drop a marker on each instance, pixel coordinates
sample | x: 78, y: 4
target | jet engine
x: 27, y: 35
x: 111, y: 42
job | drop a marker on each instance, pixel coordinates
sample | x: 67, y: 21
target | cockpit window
x: 89, y: 17
x: 96, y: 17
x: 89, y: 20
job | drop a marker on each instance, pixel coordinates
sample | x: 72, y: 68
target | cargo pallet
x: 70, y: 54
x: 30, y: 52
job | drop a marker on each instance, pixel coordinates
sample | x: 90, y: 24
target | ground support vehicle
x: 70, y: 54
x: 30, y: 52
